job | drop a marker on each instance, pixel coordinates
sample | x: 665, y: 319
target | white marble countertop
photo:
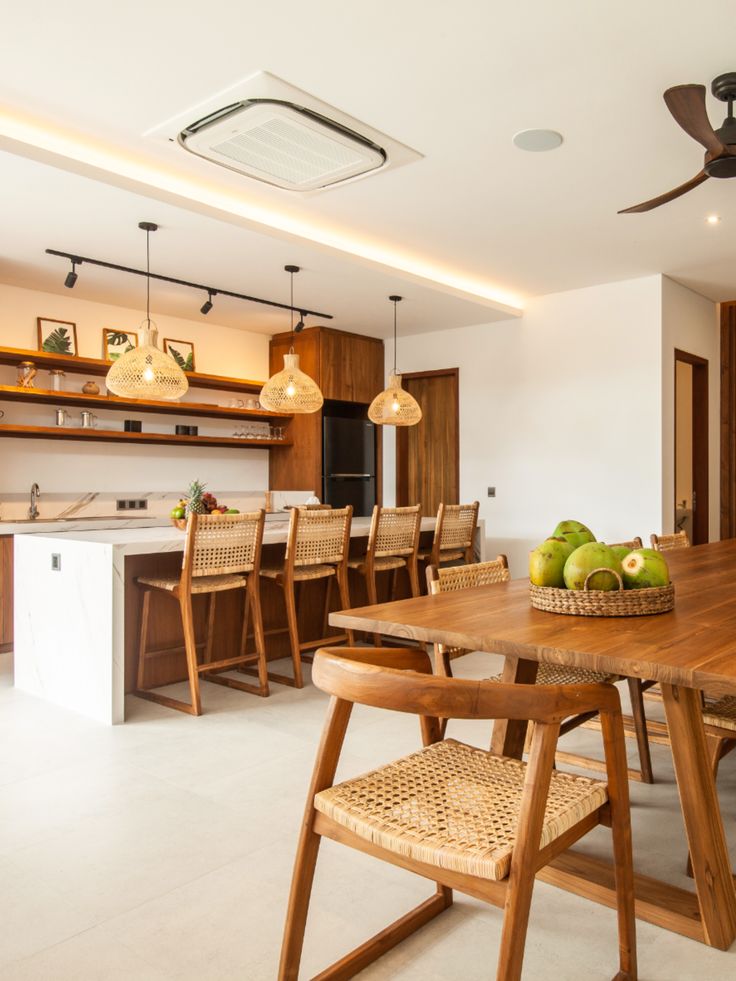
x: 138, y: 540
x: 46, y: 526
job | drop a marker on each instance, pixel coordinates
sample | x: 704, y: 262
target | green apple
x: 177, y: 513
x: 547, y: 561
x: 587, y: 558
x: 644, y: 568
x: 232, y: 511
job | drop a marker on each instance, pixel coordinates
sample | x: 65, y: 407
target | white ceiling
x: 455, y: 82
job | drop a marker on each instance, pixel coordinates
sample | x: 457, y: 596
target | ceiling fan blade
x: 669, y: 196
x: 687, y: 105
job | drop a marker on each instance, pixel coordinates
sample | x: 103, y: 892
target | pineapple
x: 195, y: 505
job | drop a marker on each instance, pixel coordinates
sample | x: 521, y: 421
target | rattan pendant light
x: 146, y: 372
x: 291, y: 390
x: 394, y: 406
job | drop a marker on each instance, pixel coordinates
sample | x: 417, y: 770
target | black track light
x: 207, y: 305
x: 71, y: 278
x: 301, y: 325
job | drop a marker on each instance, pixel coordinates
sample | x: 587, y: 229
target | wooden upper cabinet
x: 352, y: 366
x: 348, y: 367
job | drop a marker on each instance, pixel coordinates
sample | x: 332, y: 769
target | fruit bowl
x: 180, y: 523
x: 617, y: 602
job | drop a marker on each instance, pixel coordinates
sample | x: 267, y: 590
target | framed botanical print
x: 117, y: 342
x: 182, y: 352
x: 57, y: 336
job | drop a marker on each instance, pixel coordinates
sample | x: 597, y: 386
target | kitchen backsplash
x: 91, y: 504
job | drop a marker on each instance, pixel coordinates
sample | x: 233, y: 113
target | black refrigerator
x: 349, y: 463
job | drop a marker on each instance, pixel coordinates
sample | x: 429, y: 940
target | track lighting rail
x: 78, y: 260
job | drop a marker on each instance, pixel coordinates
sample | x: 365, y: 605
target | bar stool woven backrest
x: 318, y: 537
x: 395, y: 531
x: 456, y: 525
x: 665, y: 543
x: 223, y: 544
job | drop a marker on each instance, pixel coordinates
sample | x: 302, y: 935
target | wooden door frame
x: 699, y: 410
x: 402, y: 476
x: 728, y: 420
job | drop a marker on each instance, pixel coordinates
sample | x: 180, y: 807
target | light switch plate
x: 56, y: 562
x: 491, y: 491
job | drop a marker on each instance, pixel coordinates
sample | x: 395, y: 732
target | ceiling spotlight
x: 300, y: 326
x: 713, y: 219
x: 71, y: 277
x: 537, y: 140
x: 207, y: 305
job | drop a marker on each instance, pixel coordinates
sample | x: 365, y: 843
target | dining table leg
x: 711, y: 865
x: 509, y: 734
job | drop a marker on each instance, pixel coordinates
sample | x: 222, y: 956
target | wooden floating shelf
x: 115, y: 436
x: 13, y: 393
x: 98, y: 366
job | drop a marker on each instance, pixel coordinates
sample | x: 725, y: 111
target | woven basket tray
x: 600, y: 603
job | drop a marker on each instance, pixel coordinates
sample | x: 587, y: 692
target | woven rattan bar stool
x: 453, y: 535
x: 486, y: 573
x: 665, y: 543
x: 459, y: 816
x: 316, y: 548
x: 221, y: 552
x: 393, y: 543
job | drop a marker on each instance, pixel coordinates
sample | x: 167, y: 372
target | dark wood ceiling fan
x: 687, y: 105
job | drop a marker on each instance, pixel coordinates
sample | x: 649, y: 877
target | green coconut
x: 574, y: 532
x: 547, y: 562
x: 587, y: 558
x: 645, y: 568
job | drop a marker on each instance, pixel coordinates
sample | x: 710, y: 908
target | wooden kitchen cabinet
x: 6, y: 593
x: 347, y: 367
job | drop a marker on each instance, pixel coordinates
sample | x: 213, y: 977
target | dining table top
x: 692, y: 646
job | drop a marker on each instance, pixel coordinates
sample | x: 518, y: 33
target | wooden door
x: 428, y: 454
x: 6, y: 593
x: 728, y: 420
x: 691, y: 414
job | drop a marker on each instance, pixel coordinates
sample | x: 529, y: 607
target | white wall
x: 560, y: 410
x: 71, y: 466
x: 689, y: 323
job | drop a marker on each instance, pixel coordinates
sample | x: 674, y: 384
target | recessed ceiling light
x: 713, y: 219
x: 537, y: 139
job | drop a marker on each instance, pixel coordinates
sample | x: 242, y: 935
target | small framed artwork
x: 57, y: 336
x: 182, y: 352
x: 117, y: 342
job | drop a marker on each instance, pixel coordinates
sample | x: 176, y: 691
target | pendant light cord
x: 148, y: 278
x: 291, y: 303
x: 394, y: 303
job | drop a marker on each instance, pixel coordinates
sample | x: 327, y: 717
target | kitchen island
x: 77, y: 610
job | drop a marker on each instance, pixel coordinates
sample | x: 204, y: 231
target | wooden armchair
x: 497, y: 570
x: 665, y: 543
x: 455, y: 814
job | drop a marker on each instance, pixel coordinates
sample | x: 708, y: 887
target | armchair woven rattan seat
x: 455, y: 806
x: 721, y: 713
x: 204, y: 584
x: 301, y: 573
x: 559, y: 674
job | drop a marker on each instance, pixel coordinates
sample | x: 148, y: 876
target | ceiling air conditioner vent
x: 283, y: 144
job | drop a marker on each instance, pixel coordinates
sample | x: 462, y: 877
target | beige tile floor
x: 161, y: 850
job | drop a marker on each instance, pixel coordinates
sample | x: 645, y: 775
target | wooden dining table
x: 690, y: 650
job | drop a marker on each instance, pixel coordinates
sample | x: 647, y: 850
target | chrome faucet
x: 35, y: 494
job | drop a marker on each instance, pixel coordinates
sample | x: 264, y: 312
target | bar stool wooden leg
x: 211, y: 601
x: 145, y: 611
x: 636, y: 695
x: 190, y: 645
x: 293, y: 624
x: 372, y: 592
x: 411, y: 568
x: 326, y: 614
x: 253, y: 597
x: 342, y: 585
